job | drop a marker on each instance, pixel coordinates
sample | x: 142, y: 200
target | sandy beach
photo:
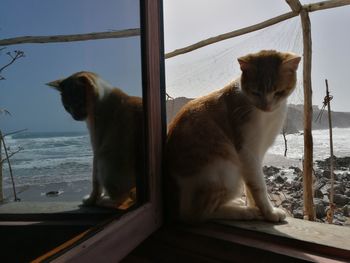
x: 53, y: 192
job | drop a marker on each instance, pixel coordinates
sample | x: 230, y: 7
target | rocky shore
x: 285, y: 186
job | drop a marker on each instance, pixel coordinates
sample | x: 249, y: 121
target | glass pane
x: 80, y: 127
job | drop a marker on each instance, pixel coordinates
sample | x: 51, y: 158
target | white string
x: 199, y: 72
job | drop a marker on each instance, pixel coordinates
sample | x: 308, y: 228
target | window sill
x: 24, y: 211
x: 293, y: 241
x: 302, y: 230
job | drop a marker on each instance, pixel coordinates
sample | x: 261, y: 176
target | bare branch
x: 11, y: 154
x: 17, y: 54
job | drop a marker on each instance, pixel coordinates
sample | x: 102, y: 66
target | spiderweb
x: 199, y: 72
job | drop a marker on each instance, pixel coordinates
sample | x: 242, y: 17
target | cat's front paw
x: 90, y: 200
x: 276, y: 215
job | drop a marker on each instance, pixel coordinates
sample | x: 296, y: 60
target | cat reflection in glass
x: 216, y: 143
x: 115, y: 123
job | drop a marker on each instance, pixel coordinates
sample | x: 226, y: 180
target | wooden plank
x: 303, y: 230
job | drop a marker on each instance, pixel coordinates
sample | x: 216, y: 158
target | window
x: 128, y: 51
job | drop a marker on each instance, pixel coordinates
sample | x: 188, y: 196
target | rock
x: 279, y: 179
x: 297, y: 194
x: 346, y: 210
x: 346, y: 176
x: 297, y: 170
x: 318, y: 193
x: 347, y: 192
x: 320, y: 208
x: 318, y: 174
x: 298, y: 213
x: 341, y: 200
x: 296, y: 185
x: 338, y: 189
x: 326, y: 174
x: 270, y: 170
x: 342, y: 163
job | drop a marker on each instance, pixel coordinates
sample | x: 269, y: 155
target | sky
x: 201, y: 71
x: 34, y: 105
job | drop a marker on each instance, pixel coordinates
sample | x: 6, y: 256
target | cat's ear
x: 55, y: 84
x: 244, y: 63
x: 291, y: 62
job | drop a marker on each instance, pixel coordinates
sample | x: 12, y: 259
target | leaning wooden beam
x: 69, y: 38
x: 295, y: 5
x: 326, y: 4
x: 272, y: 21
x: 231, y: 34
x: 308, y: 143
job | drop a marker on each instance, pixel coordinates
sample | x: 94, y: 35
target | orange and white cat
x: 216, y: 143
x: 115, y: 123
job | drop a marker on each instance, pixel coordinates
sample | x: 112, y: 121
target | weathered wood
x: 69, y: 38
x: 308, y: 143
x: 313, y: 232
x: 294, y: 5
x: 326, y: 5
x: 331, y: 160
x: 231, y: 34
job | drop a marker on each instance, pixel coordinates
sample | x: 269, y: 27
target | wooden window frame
x: 122, y: 235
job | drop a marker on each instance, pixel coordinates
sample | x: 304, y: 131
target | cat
x: 216, y: 143
x: 115, y: 123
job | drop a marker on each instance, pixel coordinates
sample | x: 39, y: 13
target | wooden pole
x: 10, y: 169
x: 331, y: 194
x: 295, y: 6
x: 231, y: 34
x: 70, y: 38
x: 326, y: 5
x: 285, y: 141
x: 309, y: 212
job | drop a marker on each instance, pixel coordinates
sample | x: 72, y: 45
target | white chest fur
x: 262, y: 129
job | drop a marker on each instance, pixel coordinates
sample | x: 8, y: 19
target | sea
x: 65, y: 157
x: 48, y: 157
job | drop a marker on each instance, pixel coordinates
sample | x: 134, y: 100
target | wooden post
x: 285, y: 141
x: 331, y: 194
x: 309, y: 212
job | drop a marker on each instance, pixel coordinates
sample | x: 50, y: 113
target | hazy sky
x: 187, y: 22
x: 34, y: 105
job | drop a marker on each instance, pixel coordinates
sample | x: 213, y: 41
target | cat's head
x: 76, y: 92
x: 268, y: 77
